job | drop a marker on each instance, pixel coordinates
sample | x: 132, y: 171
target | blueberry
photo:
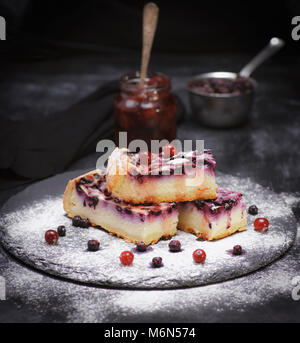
x: 80, y: 222
x: 253, y: 210
x: 175, y: 246
x: 141, y: 246
x: 156, y: 262
x: 61, y: 230
x: 107, y: 193
x: 166, y: 238
x: 155, y: 213
x: 93, y: 245
x: 76, y: 221
x: 128, y: 210
x: 227, y: 206
x: 85, y: 223
x: 237, y: 250
x: 199, y: 204
x: 84, y: 180
x: 93, y: 201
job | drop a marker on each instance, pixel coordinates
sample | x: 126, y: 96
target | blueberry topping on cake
x: 214, y: 218
x: 226, y: 199
x: 93, y: 201
x: 159, y: 177
x: 119, y: 208
x: 128, y: 210
x: 199, y: 204
x: 135, y: 222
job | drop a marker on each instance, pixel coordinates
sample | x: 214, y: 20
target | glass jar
x: 145, y: 112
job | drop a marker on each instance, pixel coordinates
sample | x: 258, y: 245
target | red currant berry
x: 199, y: 256
x: 126, y: 258
x: 261, y: 224
x: 51, y: 237
x: 145, y: 158
x: 169, y: 150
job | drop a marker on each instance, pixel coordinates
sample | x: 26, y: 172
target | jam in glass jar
x: 145, y: 112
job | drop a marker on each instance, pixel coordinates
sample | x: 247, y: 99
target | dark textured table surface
x: 267, y: 150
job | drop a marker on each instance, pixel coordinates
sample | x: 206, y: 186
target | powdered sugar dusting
x: 24, y: 229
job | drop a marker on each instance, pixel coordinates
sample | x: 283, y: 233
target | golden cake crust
x: 177, y: 188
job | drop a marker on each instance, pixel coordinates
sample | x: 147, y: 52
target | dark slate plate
x: 27, y: 215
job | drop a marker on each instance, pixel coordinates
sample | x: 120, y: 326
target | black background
x: 184, y: 26
x: 57, y: 52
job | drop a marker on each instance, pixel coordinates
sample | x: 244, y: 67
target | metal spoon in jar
x: 150, y: 17
x: 224, y: 110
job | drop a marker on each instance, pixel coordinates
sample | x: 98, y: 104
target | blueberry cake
x: 87, y: 196
x: 155, y: 178
x: 214, y: 219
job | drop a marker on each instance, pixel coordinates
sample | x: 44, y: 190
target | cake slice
x: 214, y: 219
x: 184, y: 176
x: 87, y: 196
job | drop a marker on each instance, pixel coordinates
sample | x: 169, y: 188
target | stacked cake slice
x: 214, y: 219
x: 87, y: 196
x: 144, y: 197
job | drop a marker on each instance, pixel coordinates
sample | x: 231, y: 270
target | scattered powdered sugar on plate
x: 243, y: 298
x: 23, y: 229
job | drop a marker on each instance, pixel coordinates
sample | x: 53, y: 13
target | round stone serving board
x: 27, y: 215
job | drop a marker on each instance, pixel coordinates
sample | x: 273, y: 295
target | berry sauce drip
x: 261, y: 224
x: 126, y: 258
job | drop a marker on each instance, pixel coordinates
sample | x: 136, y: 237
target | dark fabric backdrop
x: 193, y: 26
x: 49, y: 30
